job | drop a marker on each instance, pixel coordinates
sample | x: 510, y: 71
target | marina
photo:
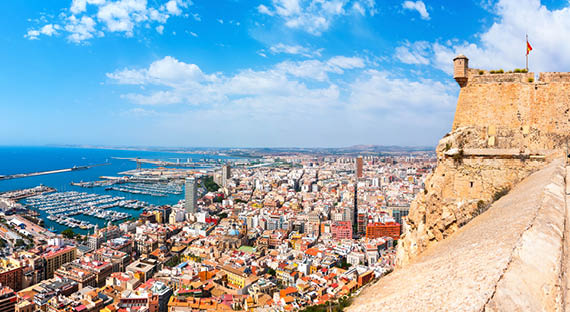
x: 152, y: 189
x: 64, y: 208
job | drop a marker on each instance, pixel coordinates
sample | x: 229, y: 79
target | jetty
x: 33, y: 174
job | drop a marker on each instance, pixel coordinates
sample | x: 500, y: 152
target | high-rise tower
x: 191, y: 194
x: 359, y: 164
x: 226, y: 175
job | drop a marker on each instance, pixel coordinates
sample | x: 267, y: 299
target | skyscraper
x: 191, y: 194
x: 226, y: 174
x: 359, y: 167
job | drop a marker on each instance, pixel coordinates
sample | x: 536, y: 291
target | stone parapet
x: 507, y: 259
x: 554, y: 77
x: 500, y: 78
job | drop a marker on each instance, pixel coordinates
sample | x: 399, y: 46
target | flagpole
x: 526, y: 49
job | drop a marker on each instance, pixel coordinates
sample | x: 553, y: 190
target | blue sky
x: 307, y: 73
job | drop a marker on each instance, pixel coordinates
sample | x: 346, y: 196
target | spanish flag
x: 528, y: 47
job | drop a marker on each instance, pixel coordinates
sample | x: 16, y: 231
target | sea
x: 18, y: 159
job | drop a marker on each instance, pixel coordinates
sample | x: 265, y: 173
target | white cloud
x: 416, y: 53
x: 294, y: 49
x: 267, y: 107
x: 418, y: 6
x: 47, y: 30
x: 187, y: 83
x: 86, y: 19
x: 80, y: 6
x: 346, y: 62
x: 379, y: 90
x: 264, y: 10
x: 160, y: 29
x: 81, y: 29
x: 32, y: 34
x: 315, y: 16
x: 172, y: 7
x: 196, y: 17
x: 502, y: 46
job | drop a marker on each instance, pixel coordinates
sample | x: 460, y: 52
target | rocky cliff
x: 506, y: 127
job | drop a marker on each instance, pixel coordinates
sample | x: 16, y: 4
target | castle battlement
x: 529, y: 112
x: 465, y: 75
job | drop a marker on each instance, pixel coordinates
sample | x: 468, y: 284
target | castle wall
x: 506, y: 127
x: 509, y: 102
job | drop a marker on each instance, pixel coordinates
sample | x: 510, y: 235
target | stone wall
x: 510, y: 258
x: 462, y: 186
x: 512, y: 103
x: 516, y: 126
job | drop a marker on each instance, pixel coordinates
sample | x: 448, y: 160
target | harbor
x: 69, y: 209
x: 137, y: 186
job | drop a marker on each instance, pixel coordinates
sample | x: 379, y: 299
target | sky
x: 256, y: 73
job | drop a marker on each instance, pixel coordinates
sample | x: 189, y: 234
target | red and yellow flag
x: 528, y: 47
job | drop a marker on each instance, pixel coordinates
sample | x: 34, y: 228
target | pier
x: 33, y: 174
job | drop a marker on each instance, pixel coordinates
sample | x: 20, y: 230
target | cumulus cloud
x: 416, y: 53
x: 307, y: 97
x: 47, y: 30
x: 294, y: 49
x: 86, y: 19
x: 314, y: 16
x: 418, y: 6
x: 503, y: 45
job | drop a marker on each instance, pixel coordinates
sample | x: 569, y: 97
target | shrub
x: 518, y: 70
x: 491, y: 71
x: 481, y: 72
x: 459, y: 156
x: 524, y: 70
x: 500, y: 193
x: 481, y: 207
x: 500, y: 71
x: 530, y: 79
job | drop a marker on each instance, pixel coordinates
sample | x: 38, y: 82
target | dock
x: 39, y: 173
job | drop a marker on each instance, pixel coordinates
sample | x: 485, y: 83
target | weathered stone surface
x: 460, y: 187
x: 506, y: 259
x: 496, y: 116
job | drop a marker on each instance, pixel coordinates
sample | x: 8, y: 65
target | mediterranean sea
x: 19, y: 159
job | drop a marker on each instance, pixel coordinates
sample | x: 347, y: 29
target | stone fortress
x: 489, y: 232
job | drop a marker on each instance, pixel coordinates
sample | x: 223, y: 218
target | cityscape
x: 284, y: 155
x: 284, y: 230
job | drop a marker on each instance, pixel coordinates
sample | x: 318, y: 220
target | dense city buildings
x: 290, y: 231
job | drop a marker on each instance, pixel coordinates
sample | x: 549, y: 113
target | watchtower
x: 460, y: 69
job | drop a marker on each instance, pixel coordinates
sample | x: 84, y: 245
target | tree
x: 68, y: 233
x: 271, y: 272
x: 210, y: 185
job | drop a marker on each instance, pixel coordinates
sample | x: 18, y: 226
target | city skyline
x: 263, y: 73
